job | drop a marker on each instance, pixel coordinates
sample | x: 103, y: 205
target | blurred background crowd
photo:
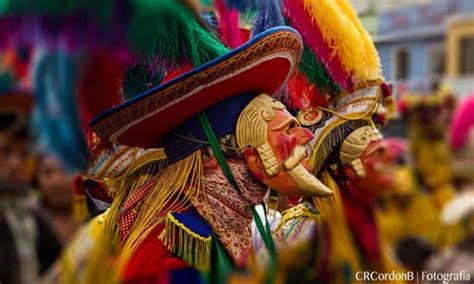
x: 427, y: 52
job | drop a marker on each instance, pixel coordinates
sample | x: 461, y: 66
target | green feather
x: 315, y: 72
x: 168, y: 31
x: 97, y: 9
x: 139, y: 78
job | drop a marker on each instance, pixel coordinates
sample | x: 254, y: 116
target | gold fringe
x: 134, y: 177
x: 101, y: 267
x: 176, y: 185
x: 186, y: 244
x: 155, y: 158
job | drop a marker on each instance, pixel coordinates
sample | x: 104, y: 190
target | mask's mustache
x: 299, y: 153
x: 308, y: 183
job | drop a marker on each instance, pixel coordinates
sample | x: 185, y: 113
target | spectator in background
x: 55, y: 196
x: 27, y: 245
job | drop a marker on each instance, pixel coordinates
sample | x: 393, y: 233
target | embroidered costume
x: 220, y: 133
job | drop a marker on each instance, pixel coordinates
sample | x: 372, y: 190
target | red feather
x: 303, y: 94
x: 99, y: 88
x: 228, y: 25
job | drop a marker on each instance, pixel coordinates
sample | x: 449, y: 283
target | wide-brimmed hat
x: 222, y: 86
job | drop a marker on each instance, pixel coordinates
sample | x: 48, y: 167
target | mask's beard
x: 308, y: 183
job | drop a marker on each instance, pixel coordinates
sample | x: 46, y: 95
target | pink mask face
x: 379, y: 163
x: 287, y: 141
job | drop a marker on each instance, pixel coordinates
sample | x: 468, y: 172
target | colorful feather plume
x: 316, y: 73
x: 141, y: 76
x: 302, y: 94
x: 98, y: 89
x: 333, y: 32
x: 228, y: 25
x: 264, y: 14
x: 168, y: 32
x: 78, y: 23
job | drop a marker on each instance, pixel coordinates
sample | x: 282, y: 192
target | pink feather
x: 228, y: 25
x: 462, y: 123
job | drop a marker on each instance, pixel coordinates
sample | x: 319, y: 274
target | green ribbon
x: 211, y: 137
x: 266, y: 234
x: 265, y: 231
x: 221, y: 264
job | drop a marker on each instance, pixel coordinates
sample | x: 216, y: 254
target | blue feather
x: 56, y: 117
x: 268, y: 16
x: 242, y: 5
x: 267, y: 13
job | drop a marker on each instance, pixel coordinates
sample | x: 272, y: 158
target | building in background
x: 421, y: 44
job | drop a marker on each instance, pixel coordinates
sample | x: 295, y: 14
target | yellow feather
x: 343, y: 32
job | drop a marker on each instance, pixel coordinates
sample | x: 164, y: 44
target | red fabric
x: 129, y: 212
x: 99, y: 88
x: 149, y: 132
x: 152, y: 262
x: 360, y: 216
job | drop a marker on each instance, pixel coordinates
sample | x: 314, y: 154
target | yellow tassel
x: 176, y: 185
x: 109, y: 256
x: 191, y: 247
x: 101, y: 264
x: 343, y: 32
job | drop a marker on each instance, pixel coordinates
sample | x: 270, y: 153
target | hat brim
x: 262, y: 65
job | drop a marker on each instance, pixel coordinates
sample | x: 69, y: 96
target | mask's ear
x: 254, y: 163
